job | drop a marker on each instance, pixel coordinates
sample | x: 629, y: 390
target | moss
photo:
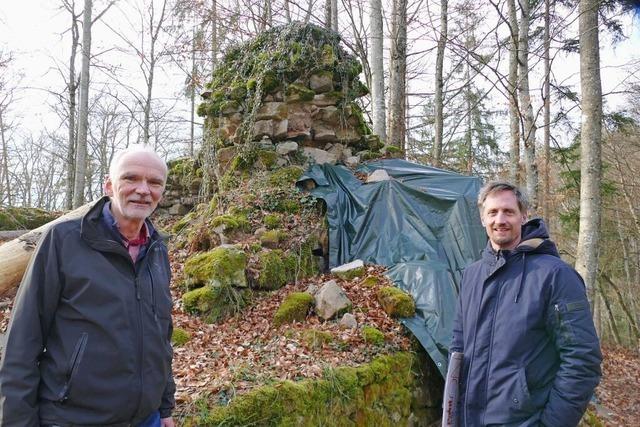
x: 272, y: 221
x: 180, y: 337
x: 307, y: 261
x: 395, y: 302
x: 393, y: 151
x: 378, y: 393
x: 232, y: 222
x: 268, y: 158
x: 315, y: 339
x: 369, y: 155
x: 199, y: 300
x: 372, y: 335
x: 276, y: 269
x: 183, y: 222
x: 370, y: 281
x: 221, y: 266
x: 215, y: 302
x: 251, y: 84
x: 294, y: 308
x: 272, y: 238
x: 299, y: 93
x: 238, y: 92
x: 24, y: 218
x: 591, y: 419
x: 328, y: 56
x: 285, y: 177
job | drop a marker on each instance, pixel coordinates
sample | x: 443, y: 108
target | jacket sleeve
x: 33, y: 312
x: 570, y: 326
x: 168, y: 396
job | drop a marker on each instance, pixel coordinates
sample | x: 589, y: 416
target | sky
x: 34, y: 30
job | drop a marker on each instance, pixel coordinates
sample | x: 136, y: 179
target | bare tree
x: 590, y: 145
x: 438, y: 98
x: 83, y: 113
x: 397, y: 78
x: 377, y: 70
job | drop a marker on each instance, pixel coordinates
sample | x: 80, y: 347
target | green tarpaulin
x: 423, y: 224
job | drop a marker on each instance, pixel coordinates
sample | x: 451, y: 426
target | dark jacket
x: 531, y: 353
x: 89, y: 337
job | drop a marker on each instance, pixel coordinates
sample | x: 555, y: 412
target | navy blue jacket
x: 531, y: 353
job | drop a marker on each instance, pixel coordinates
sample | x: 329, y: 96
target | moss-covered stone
x: 294, y: 308
x: 299, y: 93
x: 272, y: 238
x: 183, y: 222
x: 372, y: 335
x: 199, y: 300
x: 393, y: 151
x: 370, y: 281
x: 375, y: 394
x: 272, y: 221
x: 285, y: 177
x: 232, y: 222
x: 276, y: 269
x: 220, y: 266
x: 180, y: 337
x: 215, y: 302
x: 395, y: 302
x: 267, y: 158
x: 315, y: 339
x: 24, y: 218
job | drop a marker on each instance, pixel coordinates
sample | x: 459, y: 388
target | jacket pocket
x: 74, y: 363
x: 521, y: 399
x: 564, y: 313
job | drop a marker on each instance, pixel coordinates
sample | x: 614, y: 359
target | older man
x: 531, y: 353
x: 89, y: 338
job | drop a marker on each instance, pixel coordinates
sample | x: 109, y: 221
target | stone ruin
x: 291, y: 90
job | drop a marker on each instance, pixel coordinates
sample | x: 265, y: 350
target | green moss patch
x: 285, y: 177
x: 299, y: 93
x: 372, y: 335
x: 272, y: 238
x: 277, y: 268
x: 395, y: 302
x: 272, y: 221
x: 220, y: 266
x: 215, y: 302
x: 294, y: 308
x: 180, y: 337
x: 315, y: 339
x: 24, y: 218
x: 232, y: 222
x: 375, y: 394
x: 370, y: 281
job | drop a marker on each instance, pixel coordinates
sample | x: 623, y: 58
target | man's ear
x: 525, y: 218
x: 108, y: 187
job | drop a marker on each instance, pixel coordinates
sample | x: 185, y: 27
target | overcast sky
x: 34, y: 31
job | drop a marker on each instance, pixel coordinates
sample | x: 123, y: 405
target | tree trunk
x: 529, y: 132
x: 72, y: 86
x: 546, y: 187
x: 610, y: 317
x: 438, y: 98
x: 397, y: 78
x: 377, y: 70
x: 590, y: 145
x: 83, y: 115
x: 5, y: 161
x: 15, y: 255
x: 514, y: 109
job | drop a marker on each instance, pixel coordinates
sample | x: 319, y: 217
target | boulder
x: 324, y: 134
x: 222, y: 266
x: 319, y: 156
x: 324, y: 100
x: 348, y: 135
x: 331, y: 301
x: 350, y: 270
x: 321, y: 82
x: 378, y: 175
x: 348, y: 321
x: 178, y: 209
x: 286, y: 147
x: 352, y: 161
x: 272, y: 111
x: 280, y: 129
x: 262, y: 128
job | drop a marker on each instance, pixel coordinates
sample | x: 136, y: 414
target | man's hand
x: 167, y: 422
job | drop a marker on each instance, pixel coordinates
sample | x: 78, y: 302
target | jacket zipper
x: 76, y: 357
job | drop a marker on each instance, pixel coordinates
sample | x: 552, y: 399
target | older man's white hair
x: 133, y: 148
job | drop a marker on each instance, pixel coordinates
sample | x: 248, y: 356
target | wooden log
x: 11, y: 234
x: 15, y: 254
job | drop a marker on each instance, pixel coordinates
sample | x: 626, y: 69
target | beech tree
x: 397, y: 78
x: 590, y: 145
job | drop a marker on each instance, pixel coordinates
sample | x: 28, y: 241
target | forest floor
x: 618, y: 395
